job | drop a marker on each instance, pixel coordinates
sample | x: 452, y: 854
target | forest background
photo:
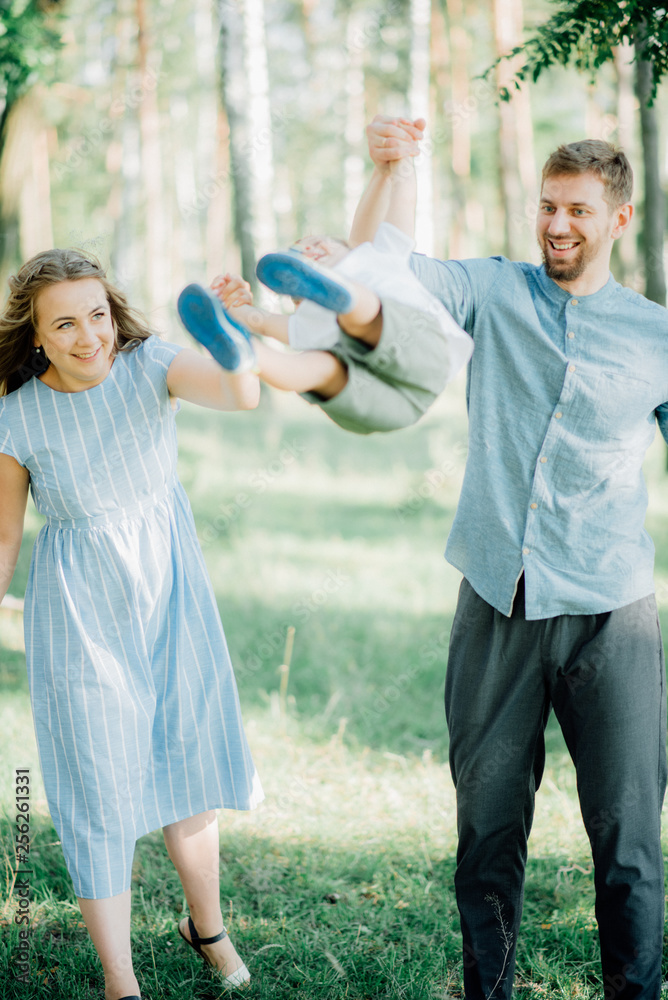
x: 177, y: 139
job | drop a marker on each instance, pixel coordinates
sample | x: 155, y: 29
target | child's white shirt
x: 383, y: 266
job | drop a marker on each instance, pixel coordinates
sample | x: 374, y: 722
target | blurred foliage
x: 585, y: 33
x: 29, y: 39
x: 96, y: 95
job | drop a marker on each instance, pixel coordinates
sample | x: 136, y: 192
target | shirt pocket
x: 621, y: 407
x: 614, y: 424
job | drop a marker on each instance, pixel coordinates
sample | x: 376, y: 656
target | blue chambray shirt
x: 563, y: 395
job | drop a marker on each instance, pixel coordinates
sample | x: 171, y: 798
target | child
x: 368, y: 369
x: 134, y: 700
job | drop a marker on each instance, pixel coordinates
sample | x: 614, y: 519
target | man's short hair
x: 595, y: 156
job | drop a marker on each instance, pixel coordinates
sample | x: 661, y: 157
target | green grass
x: 340, y: 884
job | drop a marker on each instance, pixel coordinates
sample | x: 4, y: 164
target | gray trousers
x: 604, y: 676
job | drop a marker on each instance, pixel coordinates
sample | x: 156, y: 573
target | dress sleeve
x: 159, y: 352
x: 151, y: 362
x: 7, y: 443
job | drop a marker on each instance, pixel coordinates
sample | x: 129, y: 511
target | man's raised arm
x: 390, y: 193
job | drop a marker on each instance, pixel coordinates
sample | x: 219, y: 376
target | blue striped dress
x: 134, y: 700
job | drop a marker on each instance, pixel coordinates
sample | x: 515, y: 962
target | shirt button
x: 571, y: 368
x: 558, y: 415
x: 543, y: 459
x: 534, y: 506
x: 570, y: 334
x: 526, y: 551
x: 574, y: 302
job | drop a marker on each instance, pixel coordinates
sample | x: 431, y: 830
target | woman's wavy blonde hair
x: 18, y: 363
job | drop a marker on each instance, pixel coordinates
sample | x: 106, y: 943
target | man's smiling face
x: 576, y: 226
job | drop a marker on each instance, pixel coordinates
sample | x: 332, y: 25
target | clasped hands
x: 393, y: 139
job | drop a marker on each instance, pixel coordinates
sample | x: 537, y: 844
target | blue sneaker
x: 291, y: 273
x: 211, y: 325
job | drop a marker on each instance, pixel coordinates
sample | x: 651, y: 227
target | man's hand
x: 393, y: 139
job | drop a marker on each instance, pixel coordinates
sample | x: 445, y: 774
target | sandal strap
x: 197, y: 940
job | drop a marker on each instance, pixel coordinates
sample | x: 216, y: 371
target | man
x: 556, y: 610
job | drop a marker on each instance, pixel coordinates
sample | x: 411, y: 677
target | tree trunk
x: 353, y: 165
x: 259, y: 112
x: 459, y: 109
x: 157, y: 241
x: 624, y: 255
x: 517, y: 169
x: 233, y: 73
x: 419, y: 108
x: 441, y: 152
x: 25, y: 190
x: 654, y: 208
x: 10, y: 250
x: 123, y: 160
x: 245, y: 90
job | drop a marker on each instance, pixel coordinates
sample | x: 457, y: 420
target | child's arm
x: 392, y: 142
x: 236, y: 296
x: 403, y: 196
x: 14, y: 481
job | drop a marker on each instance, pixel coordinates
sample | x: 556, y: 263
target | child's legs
x: 412, y: 350
x: 193, y: 846
x: 311, y: 371
x: 394, y: 384
x: 367, y: 403
x: 364, y: 321
x: 108, y: 923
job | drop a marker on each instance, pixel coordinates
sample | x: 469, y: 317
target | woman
x: 135, y: 705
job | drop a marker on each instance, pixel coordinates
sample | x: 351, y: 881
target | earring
x: 37, y: 350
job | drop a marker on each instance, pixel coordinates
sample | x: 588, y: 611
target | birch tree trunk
x: 124, y: 158
x: 654, y: 211
x: 624, y: 254
x: 419, y: 108
x: 459, y: 109
x: 157, y: 241
x: 517, y: 167
x: 353, y: 165
x: 262, y: 157
x: 25, y: 183
x: 9, y: 198
x: 245, y: 88
x: 441, y: 167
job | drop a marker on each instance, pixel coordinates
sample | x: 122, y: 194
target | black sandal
x: 239, y: 977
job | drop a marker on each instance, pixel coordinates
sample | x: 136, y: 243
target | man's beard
x: 571, y: 270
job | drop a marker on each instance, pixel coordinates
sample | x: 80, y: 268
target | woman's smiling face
x: 75, y: 329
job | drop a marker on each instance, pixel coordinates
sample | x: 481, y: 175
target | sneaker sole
x: 206, y: 320
x: 290, y: 274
